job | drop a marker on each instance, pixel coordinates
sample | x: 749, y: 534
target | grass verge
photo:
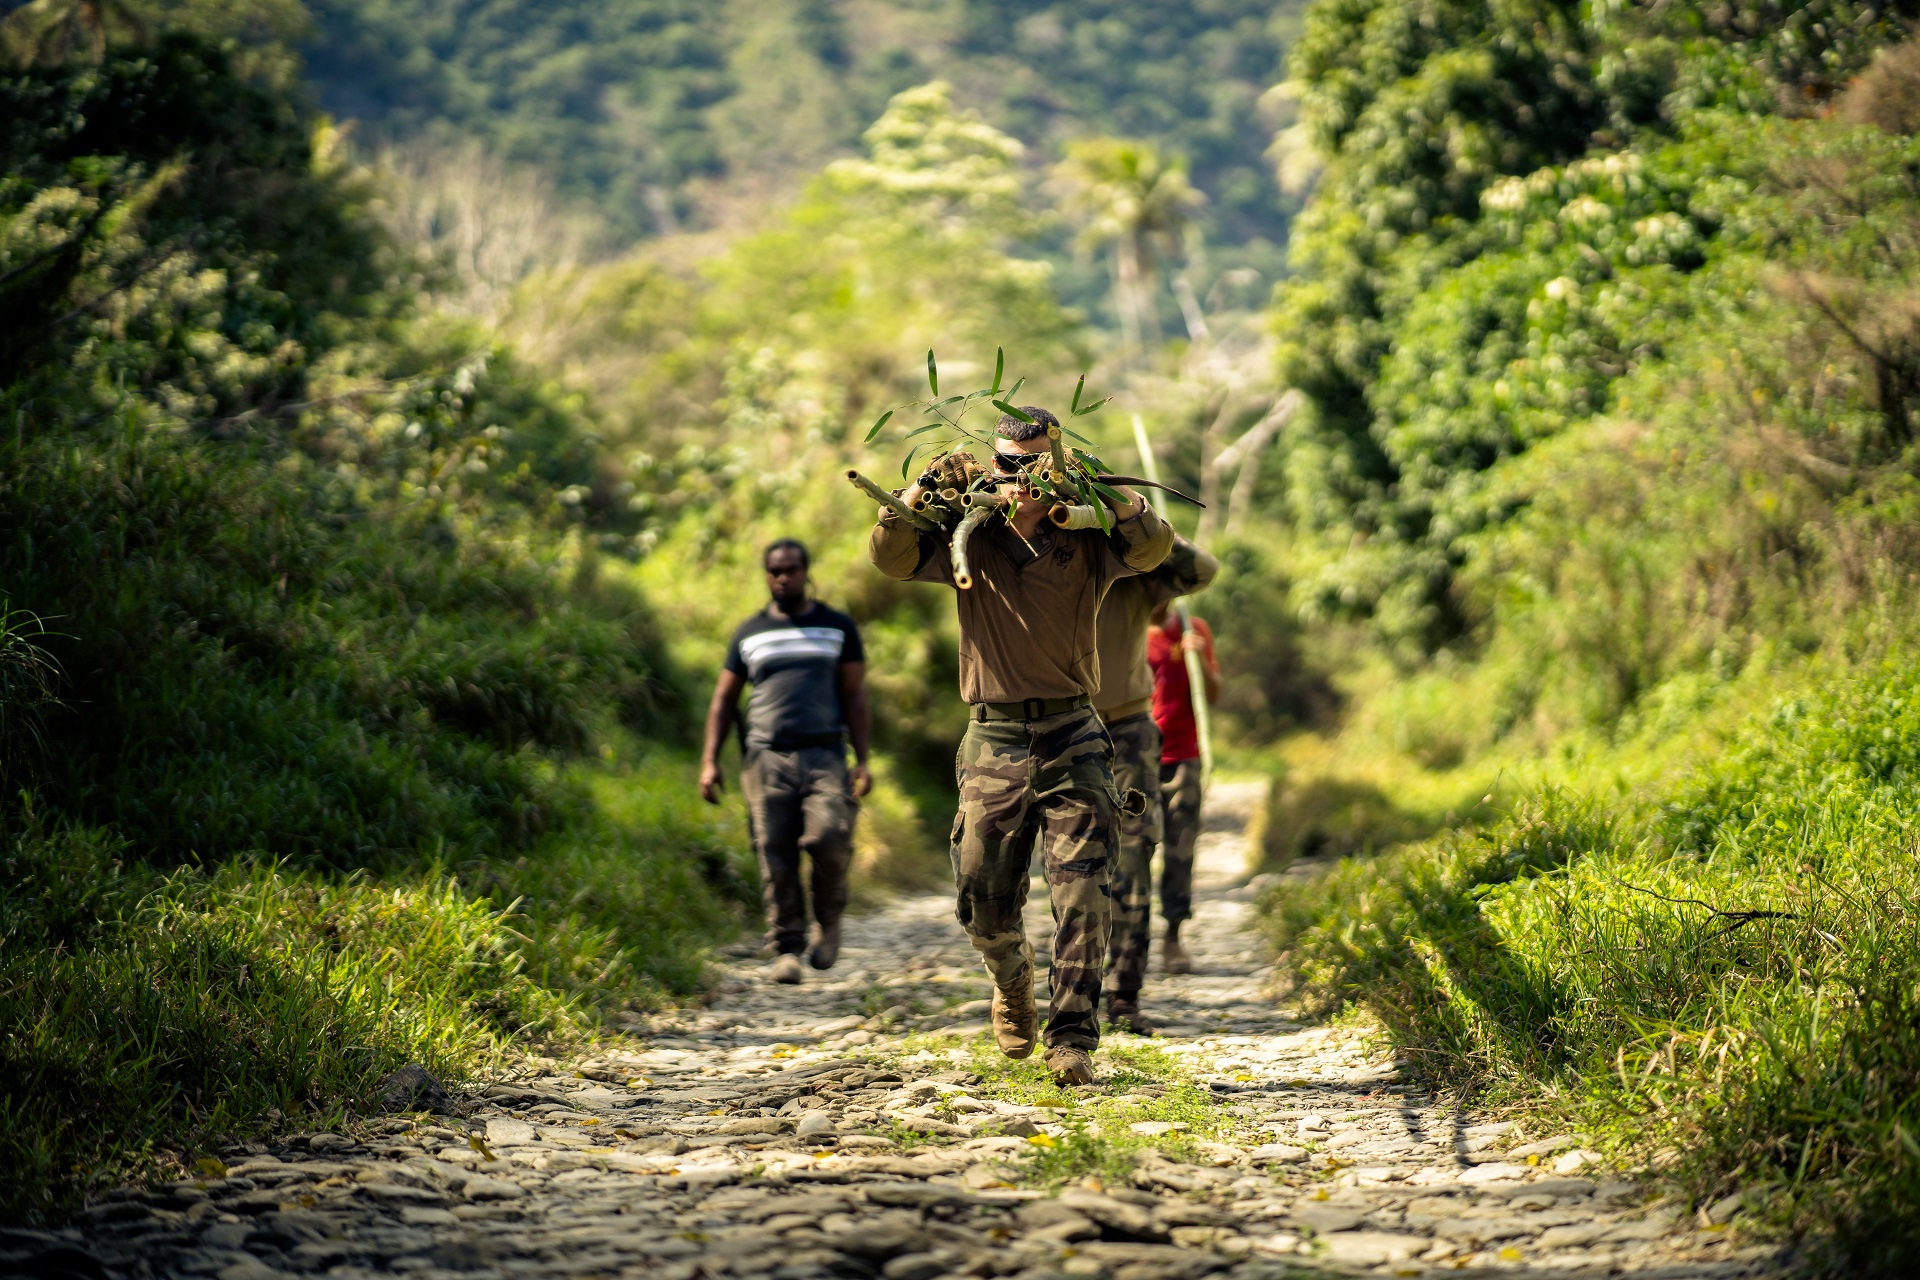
x: 152, y: 1015
x: 1718, y: 976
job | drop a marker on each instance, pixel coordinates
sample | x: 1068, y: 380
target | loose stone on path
x: 788, y: 1132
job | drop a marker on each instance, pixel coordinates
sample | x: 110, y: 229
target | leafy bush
x: 334, y: 779
x: 1520, y: 208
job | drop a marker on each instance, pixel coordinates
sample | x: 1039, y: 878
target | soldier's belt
x: 1031, y: 709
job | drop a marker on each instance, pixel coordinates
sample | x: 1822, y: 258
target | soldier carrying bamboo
x: 1031, y: 539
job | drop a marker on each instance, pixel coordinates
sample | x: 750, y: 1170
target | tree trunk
x: 1126, y: 265
x: 1243, y: 458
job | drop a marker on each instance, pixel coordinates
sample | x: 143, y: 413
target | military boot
x: 1070, y: 1065
x: 1016, y: 1023
x: 1173, y: 957
x: 1125, y: 1015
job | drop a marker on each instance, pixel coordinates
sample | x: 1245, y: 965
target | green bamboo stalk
x: 1059, y: 475
x: 976, y: 516
x: 892, y: 503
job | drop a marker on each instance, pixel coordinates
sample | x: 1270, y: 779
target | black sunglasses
x: 1015, y: 463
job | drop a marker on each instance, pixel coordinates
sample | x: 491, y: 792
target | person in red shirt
x: 1167, y: 645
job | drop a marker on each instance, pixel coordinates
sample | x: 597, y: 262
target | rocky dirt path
x: 861, y: 1126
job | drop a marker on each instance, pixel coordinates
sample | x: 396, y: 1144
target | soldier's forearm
x: 1145, y: 540
x: 1132, y: 507
x: 894, y: 548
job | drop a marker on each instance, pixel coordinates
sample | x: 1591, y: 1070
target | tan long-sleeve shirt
x: 1126, y: 681
x: 1027, y: 625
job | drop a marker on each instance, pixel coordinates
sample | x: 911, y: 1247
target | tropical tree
x: 54, y: 31
x: 1127, y: 196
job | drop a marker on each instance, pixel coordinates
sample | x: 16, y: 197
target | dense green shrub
x: 1504, y: 228
x: 333, y: 774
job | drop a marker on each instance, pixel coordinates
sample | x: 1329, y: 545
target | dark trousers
x: 1136, y: 766
x: 1180, y: 809
x: 799, y: 802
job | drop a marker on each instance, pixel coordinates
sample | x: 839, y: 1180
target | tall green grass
x: 340, y: 747
x: 1720, y: 974
x: 148, y: 1016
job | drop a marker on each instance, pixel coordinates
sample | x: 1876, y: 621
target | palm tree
x: 1126, y: 195
x: 54, y: 31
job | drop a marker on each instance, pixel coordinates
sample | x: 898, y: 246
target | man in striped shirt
x: 808, y: 673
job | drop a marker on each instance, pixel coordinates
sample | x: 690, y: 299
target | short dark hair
x: 787, y: 544
x: 1014, y: 429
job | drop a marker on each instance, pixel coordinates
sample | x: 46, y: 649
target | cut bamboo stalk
x: 1075, y: 516
x: 1059, y: 475
x: 892, y: 503
x: 975, y: 517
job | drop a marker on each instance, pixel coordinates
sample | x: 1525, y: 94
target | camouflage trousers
x: 1048, y: 780
x: 1180, y: 799
x: 1136, y: 766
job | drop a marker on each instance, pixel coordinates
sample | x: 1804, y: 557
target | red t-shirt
x: 1172, y: 701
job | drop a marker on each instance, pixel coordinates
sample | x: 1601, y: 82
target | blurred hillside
x: 664, y: 115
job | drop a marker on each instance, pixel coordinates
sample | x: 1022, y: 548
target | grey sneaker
x: 786, y: 969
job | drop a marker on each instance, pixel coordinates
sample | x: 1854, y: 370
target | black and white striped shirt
x: 794, y: 667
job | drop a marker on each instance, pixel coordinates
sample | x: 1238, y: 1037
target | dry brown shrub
x: 1887, y: 95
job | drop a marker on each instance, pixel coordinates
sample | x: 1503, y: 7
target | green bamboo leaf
x: 908, y: 461
x: 1014, y: 390
x: 1078, y: 387
x: 876, y: 426
x: 1076, y: 435
x: 933, y: 373
x: 931, y: 426
x: 999, y: 365
x: 1095, y: 407
x: 1012, y: 412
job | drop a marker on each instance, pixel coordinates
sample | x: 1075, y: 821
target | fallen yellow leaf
x: 1510, y: 1254
x: 1043, y: 1140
